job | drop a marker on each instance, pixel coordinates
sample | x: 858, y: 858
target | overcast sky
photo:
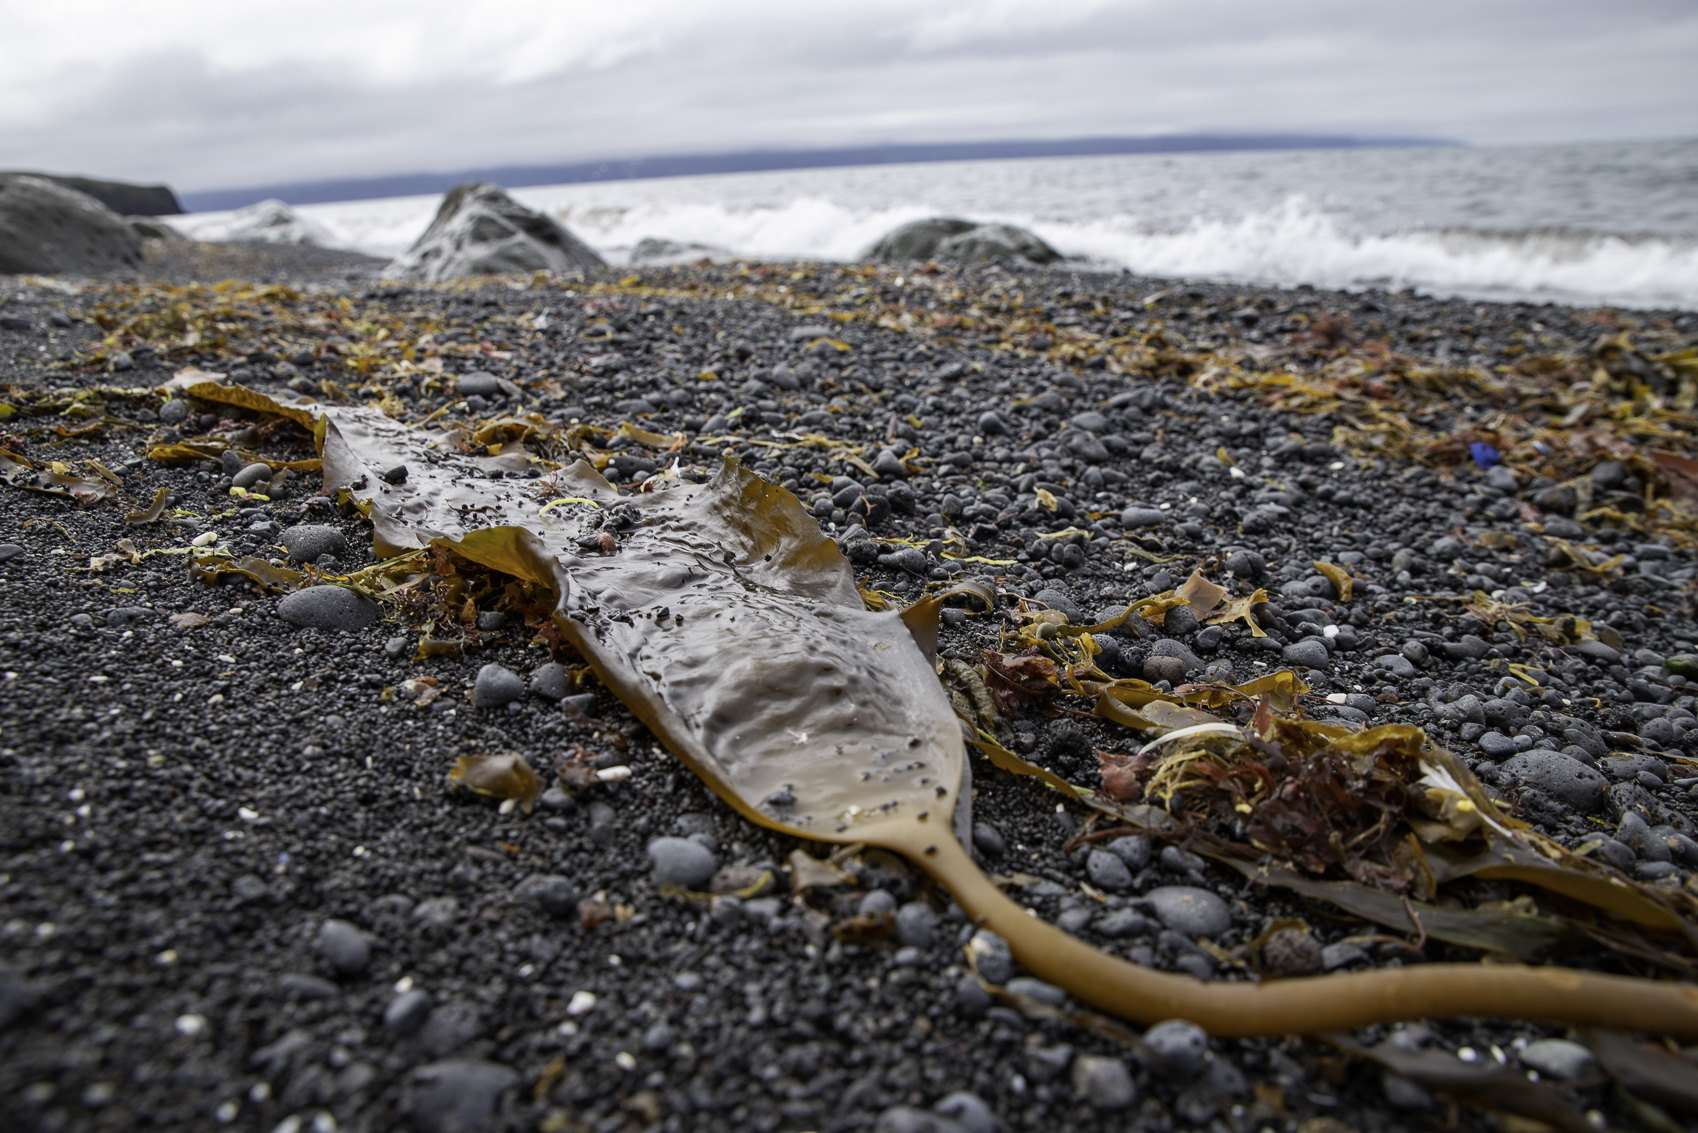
x: 212, y: 94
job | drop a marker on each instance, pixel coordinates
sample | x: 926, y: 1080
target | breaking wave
x: 1293, y: 243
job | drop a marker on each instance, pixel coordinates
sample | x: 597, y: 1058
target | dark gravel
x: 236, y: 889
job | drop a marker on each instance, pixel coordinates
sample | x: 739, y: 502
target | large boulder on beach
x: 124, y: 198
x: 48, y: 228
x: 480, y: 230
x: 960, y: 241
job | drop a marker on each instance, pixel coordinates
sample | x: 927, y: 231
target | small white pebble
x: 190, y: 1025
x: 77, y: 794
x: 246, y: 814
x: 582, y: 1003
x: 625, y: 1060
x: 613, y: 774
x: 1330, y: 631
x: 403, y: 985
x: 226, y: 1112
x: 167, y: 957
x: 1337, y: 466
x: 1468, y: 1054
x: 204, y: 539
x: 1235, y: 472
x: 1336, y: 698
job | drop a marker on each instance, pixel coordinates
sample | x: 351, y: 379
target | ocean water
x: 1607, y: 223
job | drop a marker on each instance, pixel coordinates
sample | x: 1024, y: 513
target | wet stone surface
x: 200, y: 779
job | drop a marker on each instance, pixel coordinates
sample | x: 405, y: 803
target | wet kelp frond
x: 732, y: 627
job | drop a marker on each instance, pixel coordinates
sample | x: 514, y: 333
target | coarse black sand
x: 184, y: 808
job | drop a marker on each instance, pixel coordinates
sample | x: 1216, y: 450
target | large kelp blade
x: 727, y: 622
x: 723, y: 618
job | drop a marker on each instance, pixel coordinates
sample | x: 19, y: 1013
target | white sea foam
x: 1444, y: 222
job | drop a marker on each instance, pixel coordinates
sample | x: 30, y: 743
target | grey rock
x: 1037, y: 989
x: 907, y: 1119
x: 1396, y: 664
x: 877, y: 902
x: 1189, y: 910
x: 1564, y: 778
x: 1142, y: 517
x: 51, y: 229
x: 1058, y: 600
x: 889, y: 465
x: 1556, y: 1058
x: 305, y: 542
x: 477, y: 384
x: 550, y: 892
x: 1134, y: 850
x: 1293, y: 952
x: 1308, y: 653
x: 1341, y: 955
x: 129, y: 615
x: 1497, y: 745
x: 971, y: 999
x: 1470, y: 647
x: 300, y: 985
x: 549, y: 682
x: 992, y: 956
x: 496, y: 686
x: 960, y: 241
x: 327, y: 607
x: 344, y: 948
x: 480, y: 230
x: 1178, y: 1045
x: 252, y: 476
x: 1597, y: 651
x: 1047, y: 1063
x: 273, y: 222
x: 407, y: 1012
x: 968, y: 1111
x: 1158, y: 668
x: 1167, y: 647
x: 174, y: 412
x: 1118, y: 923
x: 1104, y: 1082
x: 436, y: 914
x: 1181, y: 622
x: 681, y: 861
x: 1108, y: 872
x: 988, y: 840
x: 450, y: 1027
x: 457, y: 1095
x: 916, y: 925
x: 1464, y: 710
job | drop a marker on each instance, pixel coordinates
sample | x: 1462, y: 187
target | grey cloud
x: 1513, y: 70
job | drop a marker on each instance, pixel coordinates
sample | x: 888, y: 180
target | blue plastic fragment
x: 1484, y: 454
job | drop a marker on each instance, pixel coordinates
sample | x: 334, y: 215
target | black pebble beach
x: 237, y: 890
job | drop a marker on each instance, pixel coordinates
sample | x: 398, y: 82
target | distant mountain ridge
x: 756, y: 161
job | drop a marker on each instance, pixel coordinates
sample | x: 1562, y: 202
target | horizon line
x: 328, y: 190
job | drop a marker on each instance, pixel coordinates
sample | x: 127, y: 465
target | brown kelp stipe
x: 724, y: 619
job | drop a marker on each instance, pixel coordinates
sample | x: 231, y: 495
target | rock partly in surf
x: 480, y: 230
x: 961, y: 241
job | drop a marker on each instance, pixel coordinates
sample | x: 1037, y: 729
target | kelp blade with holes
x: 732, y: 627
